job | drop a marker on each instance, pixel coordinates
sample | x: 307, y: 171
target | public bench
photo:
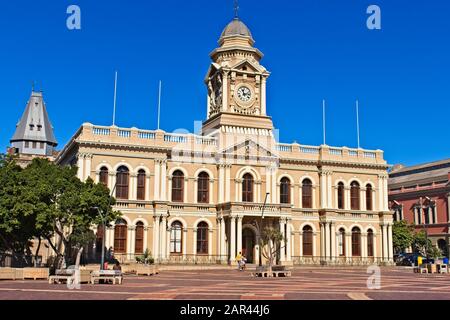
x: 277, y: 272
x: 107, y: 276
x: 68, y: 276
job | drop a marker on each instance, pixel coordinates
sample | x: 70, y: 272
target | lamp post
x: 104, y: 216
x: 424, y: 226
x: 260, y: 228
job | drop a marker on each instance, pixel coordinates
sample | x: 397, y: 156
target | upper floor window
x: 31, y: 127
x: 369, y: 197
x: 122, y: 183
x: 307, y: 193
x: 203, y: 188
x: 39, y: 127
x: 178, y: 186
x: 285, y: 191
x: 104, y: 176
x: 341, y: 196
x: 141, y: 185
x: 247, y: 188
x: 355, y: 196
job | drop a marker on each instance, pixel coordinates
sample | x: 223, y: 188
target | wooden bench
x: 113, y: 276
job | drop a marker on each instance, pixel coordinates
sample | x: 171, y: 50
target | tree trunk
x: 37, y: 251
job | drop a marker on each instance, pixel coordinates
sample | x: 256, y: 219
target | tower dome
x: 236, y: 28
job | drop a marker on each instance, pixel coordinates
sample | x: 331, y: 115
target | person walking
x: 239, y: 260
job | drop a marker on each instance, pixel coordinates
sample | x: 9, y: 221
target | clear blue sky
x: 315, y: 49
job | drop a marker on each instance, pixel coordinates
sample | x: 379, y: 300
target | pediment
x: 249, y: 65
x: 251, y: 149
x: 213, y: 68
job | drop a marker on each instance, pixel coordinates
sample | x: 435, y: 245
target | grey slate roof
x: 423, y: 173
x: 236, y: 28
x: 35, y: 114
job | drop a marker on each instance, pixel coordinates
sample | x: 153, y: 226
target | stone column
x: 323, y: 190
x: 448, y: 208
x: 333, y: 241
x: 384, y: 239
x: 263, y: 96
x: 390, y: 244
x: 330, y: 190
x: 194, y: 242
x: 362, y: 196
x: 132, y: 244
x: 225, y: 90
x: 315, y: 244
x: 164, y: 181
x: 88, y: 164
x: 221, y: 183
x: 322, y: 241
x: 223, y: 251
x: 145, y: 238
x: 239, y: 235
x: 80, y: 165
x: 185, y: 240
x: 133, y: 186
x: 364, y: 252
x: 210, y: 245
x: 157, y: 180
x: 289, y: 241
x: 283, y: 243
x: 147, y: 188
x: 327, y: 241
x: 163, y: 232
x: 228, y: 183
x: 268, y: 184
x: 301, y: 244
x: 347, y: 201
x: 155, y: 235
x: 348, y: 245
x: 232, y: 239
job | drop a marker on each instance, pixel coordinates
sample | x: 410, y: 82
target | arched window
x: 139, y: 242
x: 341, y: 196
x: 178, y: 186
x: 202, y: 238
x: 370, y: 242
x: 123, y: 181
x: 356, y: 242
x: 369, y: 202
x: 285, y: 191
x: 203, y: 188
x: 176, y: 240
x: 120, y: 236
x: 308, y: 241
x: 355, y: 195
x: 104, y: 176
x: 141, y: 185
x: 247, y: 188
x: 341, y: 242
x: 307, y: 193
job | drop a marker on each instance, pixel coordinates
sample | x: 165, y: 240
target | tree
x: 271, y: 239
x: 402, y: 236
x: 421, y: 243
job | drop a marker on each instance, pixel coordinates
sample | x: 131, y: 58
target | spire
x: 34, y: 132
x: 236, y: 9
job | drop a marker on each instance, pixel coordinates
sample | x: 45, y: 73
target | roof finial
x: 33, y: 85
x: 236, y: 9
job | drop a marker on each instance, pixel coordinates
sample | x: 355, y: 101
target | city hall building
x: 201, y: 198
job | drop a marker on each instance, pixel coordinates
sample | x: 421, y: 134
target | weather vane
x: 236, y: 9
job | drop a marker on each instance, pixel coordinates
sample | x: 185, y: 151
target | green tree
x: 421, y: 243
x: 402, y: 236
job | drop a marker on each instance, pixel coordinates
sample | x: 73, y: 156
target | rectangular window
x: 27, y: 144
x: 39, y: 128
x: 34, y: 145
x: 42, y: 145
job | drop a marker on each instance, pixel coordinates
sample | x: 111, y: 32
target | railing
x: 206, y: 141
x: 284, y: 147
x: 336, y: 152
x: 124, y: 133
x: 339, y: 261
x: 146, y: 135
x: 353, y: 153
x: 190, y: 259
x: 101, y: 131
x: 175, y: 138
x: 371, y: 155
x: 310, y: 150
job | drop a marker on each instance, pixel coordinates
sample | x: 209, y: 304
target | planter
x: 432, y: 268
x: 36, y: 273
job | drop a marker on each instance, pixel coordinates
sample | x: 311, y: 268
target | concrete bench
x: 273, y: 274
x: 113, y: 276
x: 68, y: 276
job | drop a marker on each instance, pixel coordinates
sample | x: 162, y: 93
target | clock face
x: 244, y: 94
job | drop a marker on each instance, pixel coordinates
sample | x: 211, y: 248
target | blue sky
x: 315, y: 49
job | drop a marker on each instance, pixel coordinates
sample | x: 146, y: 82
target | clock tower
x: 236, y: 83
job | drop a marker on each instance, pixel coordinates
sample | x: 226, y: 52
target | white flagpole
x: 324, y: 124
x: 115, y: 100
x: 159, y: 105
x: 357, y: 124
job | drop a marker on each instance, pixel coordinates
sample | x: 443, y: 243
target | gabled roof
x: 36, y: 117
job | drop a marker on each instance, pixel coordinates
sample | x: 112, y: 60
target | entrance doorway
x: 248, y: 245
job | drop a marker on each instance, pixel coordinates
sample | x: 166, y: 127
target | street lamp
x: 260, y: 228
x: 424, y: 226
x: 104, y: 216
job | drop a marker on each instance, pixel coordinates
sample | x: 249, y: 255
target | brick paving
x: 226, y: 284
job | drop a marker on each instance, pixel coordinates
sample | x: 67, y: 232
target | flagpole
x: 357, y: 124
x: 324, y: 124
x: 159, y: 105
x: 115, y: 99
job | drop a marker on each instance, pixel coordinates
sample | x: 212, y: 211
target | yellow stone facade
x: 307, y: 189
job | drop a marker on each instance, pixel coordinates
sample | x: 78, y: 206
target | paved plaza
x: 227, y: 284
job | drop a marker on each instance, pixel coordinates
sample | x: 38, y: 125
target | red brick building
x: 421, y: 195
